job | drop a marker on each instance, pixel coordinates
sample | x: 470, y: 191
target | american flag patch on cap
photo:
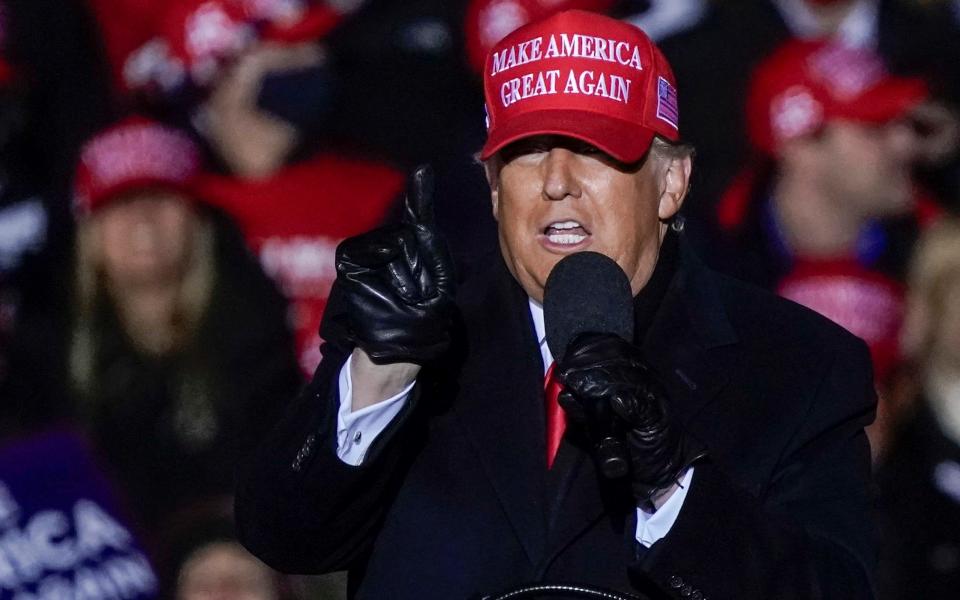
x: 667, y: 102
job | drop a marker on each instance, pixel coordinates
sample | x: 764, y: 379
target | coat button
x: 696, y: 595
x: 686, y: 590
x: 675, y: 582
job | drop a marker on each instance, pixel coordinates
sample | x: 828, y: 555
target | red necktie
x: 556, y: 418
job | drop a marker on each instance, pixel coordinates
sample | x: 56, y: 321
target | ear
x: 491, y: 168
x: 675, y: 182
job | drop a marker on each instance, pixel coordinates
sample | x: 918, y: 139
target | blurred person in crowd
x: 430, y: 454
x: 204, y: 561
x: 224, y: 570
x: 833, y: 182
x: 715, y: 46
x: 920, y: 476
x: 257, y: 85
x: 828, y: 213
x: 385, y: 64
x: 869, y: 305
x: 178, y: 346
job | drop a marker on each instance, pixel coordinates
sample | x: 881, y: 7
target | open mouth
x: 565, y: 233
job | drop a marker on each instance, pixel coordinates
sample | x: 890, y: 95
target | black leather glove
x: 609, y: 389
x: 393, y: 296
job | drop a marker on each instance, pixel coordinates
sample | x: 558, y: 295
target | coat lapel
x: 582, y: 497
x: 682, y: 341
x: 500, y: 406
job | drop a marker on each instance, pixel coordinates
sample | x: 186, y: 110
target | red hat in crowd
x: 489, y: 21
x: 797, y: 90
x: 196, y: 39
x: 135, y: 153
x: 805, y: 84
x: 582, y: 75
x: 868, y: 304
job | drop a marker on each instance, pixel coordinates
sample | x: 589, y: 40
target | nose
x: 559, y: 176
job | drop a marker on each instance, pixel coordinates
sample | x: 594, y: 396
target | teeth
x: 565, y: 225
x: 566, y: 238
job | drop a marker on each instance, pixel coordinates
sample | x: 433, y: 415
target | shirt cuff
x: 654, y: 526
x: 356, y: 430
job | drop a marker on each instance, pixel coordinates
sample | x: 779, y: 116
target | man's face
x: 868, y: 167
x: 553, y: 196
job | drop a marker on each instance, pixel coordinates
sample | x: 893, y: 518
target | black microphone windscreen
x: 586, y: 292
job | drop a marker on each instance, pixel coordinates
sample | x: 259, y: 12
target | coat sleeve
x: 809, y: 535
x: 298, y: 507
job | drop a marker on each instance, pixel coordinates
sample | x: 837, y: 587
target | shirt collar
x: 536, y: 312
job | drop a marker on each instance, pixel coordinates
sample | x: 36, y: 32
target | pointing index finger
x: 418, y: 204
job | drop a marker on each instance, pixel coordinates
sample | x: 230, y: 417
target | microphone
x: 587, y: 292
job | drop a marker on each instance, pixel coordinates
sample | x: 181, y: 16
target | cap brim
x: 887, y: 101
x: 623, y: 140
x: 105, y: 196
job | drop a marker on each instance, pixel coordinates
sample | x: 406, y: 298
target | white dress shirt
x: 357, y: 430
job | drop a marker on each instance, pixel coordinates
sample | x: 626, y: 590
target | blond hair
x: 92, y: 297
x: 934, y: 269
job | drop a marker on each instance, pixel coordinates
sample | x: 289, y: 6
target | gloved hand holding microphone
x: 610, y: 392
x: 607, y: 371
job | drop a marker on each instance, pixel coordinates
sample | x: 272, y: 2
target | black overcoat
x: 454, y: 498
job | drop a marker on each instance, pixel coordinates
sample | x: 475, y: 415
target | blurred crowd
x: 175, y: 176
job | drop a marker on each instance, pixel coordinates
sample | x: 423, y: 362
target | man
x: 911, y: 37
x: 837, y: 141
x: 742, y: 414
x: 829, y: 210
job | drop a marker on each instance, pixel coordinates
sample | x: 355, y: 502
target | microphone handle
x: 611, y: 457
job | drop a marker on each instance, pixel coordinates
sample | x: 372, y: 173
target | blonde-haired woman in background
x: 920, y: 476
x: 179, y: 355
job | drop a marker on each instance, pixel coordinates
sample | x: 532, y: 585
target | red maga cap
x: 135, y: 153
x: 582, y: 75
x: 805, y: 84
